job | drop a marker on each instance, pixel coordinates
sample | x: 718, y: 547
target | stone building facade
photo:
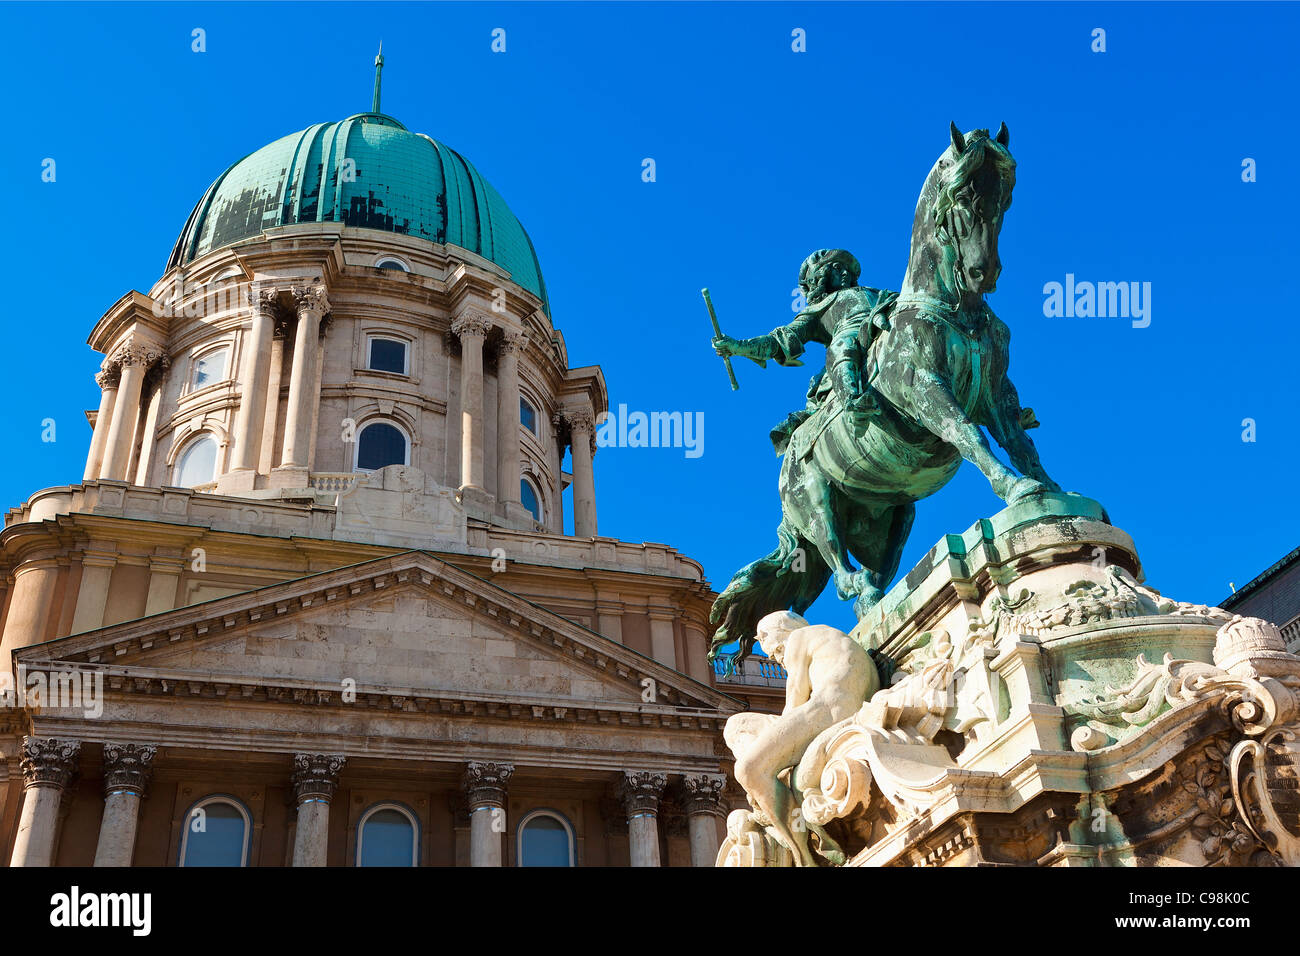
x: 1273, y: 594
x: 313, y: 601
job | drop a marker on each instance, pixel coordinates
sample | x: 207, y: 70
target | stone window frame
x: 233, y: 801
x: 226, y: 345
x: 407, y: 344
x: 183, y: 448
x: 376, y: 420
x: 382, y: 261
x: 554, y: 814
x: 404, y: 810
x: 536, y: 485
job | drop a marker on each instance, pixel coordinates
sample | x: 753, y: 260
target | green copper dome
x: 397, y: 181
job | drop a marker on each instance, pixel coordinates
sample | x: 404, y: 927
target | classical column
x: 108, y: 381
x: 703, y: 798
x: 640, y: 790
x: 270, y: 425
x: 485, y: 789
x: 663, y: 644
x: 47, y: 766
x: 165, y: 568
x: 127, y: 768
x: 304, y: 379
x: 135, y: 361
x: 471, y: 330
x: 508, y: 417
x: 30, y: 605
x: 584, y: 483
x: 253, y: 377
x: 315, y: 777
x: 97, y: 563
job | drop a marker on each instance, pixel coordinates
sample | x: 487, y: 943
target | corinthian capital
x: 640, y: 790
x: 264, y: 299
x: 128, y: 767
x: 581, y: 420
x: 111, y: 376
x: 485, y: 783
x: 49, y: 761
x: 315, y: 776
x: 311, y: 298
x: 143, y: 354
x: 512, y: 342
x: 702, y: 793
x: 471, y: 323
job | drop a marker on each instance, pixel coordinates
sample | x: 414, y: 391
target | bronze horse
x: 938, y: 375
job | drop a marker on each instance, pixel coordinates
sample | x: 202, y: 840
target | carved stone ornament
x: 265, y: 300
x: 641, y: 790
x: 111, y: 376
x: 702, y: 793
x: 311, y: 298
x: 49, y: 761
x: 316, y: 776
x: 485, y: 783
x: 471, y: 323
x: 128, y: 767
x: 512, y: 342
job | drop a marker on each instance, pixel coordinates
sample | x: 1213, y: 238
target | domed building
x: 313, y: 601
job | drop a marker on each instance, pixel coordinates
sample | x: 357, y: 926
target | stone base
x: 1042, y: 707
x: 237, y: 482
x: 477, y: 502
x: 288, y: 476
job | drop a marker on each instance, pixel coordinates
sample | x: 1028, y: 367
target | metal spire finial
x: 379, y: 68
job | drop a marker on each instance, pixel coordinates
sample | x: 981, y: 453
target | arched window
x: 527, y: 415
x: 394, y: 264
x: 197, y: 464
x: 545, y: 839
x: 528, y: 497
x: 209, y: 368
x: 380, y: 444
x: 388, y: 835
x: 216, y: 833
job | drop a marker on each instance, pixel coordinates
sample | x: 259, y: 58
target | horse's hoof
x: 1024, y: 488
x: 869, y: 598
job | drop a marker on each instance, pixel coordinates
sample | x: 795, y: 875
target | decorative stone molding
x: 316, y: 776
x: 512, y: 342
x: 641, y: 790
x: 128, y: 767
x: 49, y: 761
x: 143, y: 355
x: 265, y: 299
x: 485, y: 783
x: 311, y: 298
x: 581, y: 420
x: 111, y: 376
x: 471, y: 323
x: 702, y: 793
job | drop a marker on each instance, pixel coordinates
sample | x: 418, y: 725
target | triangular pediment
x: 395, y: 629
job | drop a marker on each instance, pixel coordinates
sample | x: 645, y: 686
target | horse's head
x: 958, y: 217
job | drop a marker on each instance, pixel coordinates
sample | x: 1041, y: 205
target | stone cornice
x: 131, y: 642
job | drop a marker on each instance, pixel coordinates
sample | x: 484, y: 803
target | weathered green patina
x: 911, y: 379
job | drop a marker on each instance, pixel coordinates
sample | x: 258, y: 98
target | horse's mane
x: 950, y: 177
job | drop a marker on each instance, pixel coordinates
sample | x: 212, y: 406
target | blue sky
x: 1129, y: 170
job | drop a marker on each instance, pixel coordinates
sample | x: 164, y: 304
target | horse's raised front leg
x: 937, y: 409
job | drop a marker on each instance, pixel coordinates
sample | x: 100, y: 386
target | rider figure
x: 841, y: 315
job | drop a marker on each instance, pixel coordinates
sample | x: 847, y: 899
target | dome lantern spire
x: 379, y: 69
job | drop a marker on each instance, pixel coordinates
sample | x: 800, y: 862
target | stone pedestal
x: 1043, y: 707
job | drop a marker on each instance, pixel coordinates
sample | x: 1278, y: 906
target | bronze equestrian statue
x: 911, y: 378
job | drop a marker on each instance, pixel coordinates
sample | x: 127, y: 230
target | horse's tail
x: 790, y: 578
